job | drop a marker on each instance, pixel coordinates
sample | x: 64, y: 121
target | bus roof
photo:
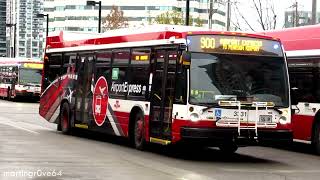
x: 304, y: 40
x: 130, y: 37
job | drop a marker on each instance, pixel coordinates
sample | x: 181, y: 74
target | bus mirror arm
x: 295, y: 110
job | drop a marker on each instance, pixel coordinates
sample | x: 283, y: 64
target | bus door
x: 83, y: 101
x: 162, y: 93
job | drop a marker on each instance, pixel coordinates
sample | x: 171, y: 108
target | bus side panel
x: 3, y: 90
x: 123, y: 121
x: 302, y: 127
x: 51, y: 99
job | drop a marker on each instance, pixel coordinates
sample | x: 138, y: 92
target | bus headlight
x: 283, y: 120
x: 194, y: 117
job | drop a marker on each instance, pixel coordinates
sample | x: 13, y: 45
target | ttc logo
x: 100, y: 101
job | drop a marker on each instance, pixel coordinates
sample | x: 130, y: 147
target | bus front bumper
x: 211, y: 136
x: 27, y: 94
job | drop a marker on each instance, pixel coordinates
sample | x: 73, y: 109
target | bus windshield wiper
x: 276, y: 108
x: 209, y: 107
x: 217, y: 105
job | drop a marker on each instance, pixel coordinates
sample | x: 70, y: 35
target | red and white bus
x: 166, y: 85
x: 302, y: 46
x: 20, y: 77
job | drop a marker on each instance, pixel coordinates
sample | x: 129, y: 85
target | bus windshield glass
x: 30, y: 76
x: 216, y: 77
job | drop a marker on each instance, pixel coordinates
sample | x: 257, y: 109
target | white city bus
x: 20, y: 77
x: 169, y: 85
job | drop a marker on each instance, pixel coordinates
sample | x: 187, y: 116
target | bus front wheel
x: 8, y: 94
x: 139, y: 131
x: 65, y: 119
x: 316, y: 140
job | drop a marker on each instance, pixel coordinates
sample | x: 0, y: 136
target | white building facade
x: 25, y: 36
x: 75, y: 15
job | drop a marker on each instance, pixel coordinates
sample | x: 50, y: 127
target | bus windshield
x: 217, y: 77
x: 30, y: 76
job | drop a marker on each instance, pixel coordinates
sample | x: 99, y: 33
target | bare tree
x: 265, y: 15
x: 115, y: 19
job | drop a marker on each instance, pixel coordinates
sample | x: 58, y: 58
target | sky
x: 246, y: 8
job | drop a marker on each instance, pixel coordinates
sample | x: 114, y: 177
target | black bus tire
x: 229, y: 148
x: 65, y: 119
x: 59, y: 128
x: 9, y: 95
x: 316, y: 139
x: 139, y: 131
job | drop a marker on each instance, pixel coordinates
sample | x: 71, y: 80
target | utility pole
x: 314, y: 12
x: 228, y: 15
x: 187, y: 12
x: 210, y: 13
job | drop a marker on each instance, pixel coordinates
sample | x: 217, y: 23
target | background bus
x: 165, y: 85
x: 302, y: 46
x: 20, y: 78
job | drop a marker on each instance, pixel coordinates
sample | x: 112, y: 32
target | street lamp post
x: 187, y: 12
x: 93, y: 3
x: 42, y: 16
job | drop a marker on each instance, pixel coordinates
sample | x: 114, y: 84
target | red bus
x: 302, y: 46
x: 167, y: 85
x: 20, y: 77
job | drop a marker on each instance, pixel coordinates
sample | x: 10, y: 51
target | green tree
x: 115, y: 19
x: 174, y: 17
x: 198, y: 22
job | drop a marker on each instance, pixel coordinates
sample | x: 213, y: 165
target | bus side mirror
x: 294, y: 95
x: 185, y: 58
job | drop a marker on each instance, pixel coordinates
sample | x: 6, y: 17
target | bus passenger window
x: 54, y: 64
x: 119, y: 83
x: 103, y: 64
x: 139, y: 73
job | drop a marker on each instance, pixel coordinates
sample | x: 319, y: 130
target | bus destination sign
x: 33, y: 65
x: 233, y: 45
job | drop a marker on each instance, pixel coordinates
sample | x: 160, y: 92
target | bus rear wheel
x: 316, y: 140
x: 65, y: 119
x: 139, y: 131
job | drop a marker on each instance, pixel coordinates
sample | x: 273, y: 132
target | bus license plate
x: 265, y: 118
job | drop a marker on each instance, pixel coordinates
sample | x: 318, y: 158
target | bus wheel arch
x: 137, y: 128
x: 316, y: 133
x: 65, y: 118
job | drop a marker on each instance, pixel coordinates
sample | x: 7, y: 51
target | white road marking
x: 34, y: 126
x: 12, y: 124
x: 23, y: 125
